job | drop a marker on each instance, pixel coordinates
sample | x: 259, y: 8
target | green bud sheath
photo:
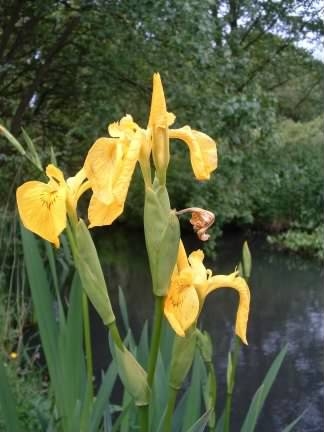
x: 92, y: 278
x: 205, y: 345
x: 247, y: 260
x: 162, y: 236
x: 132, y: 375
x: 182, y: 357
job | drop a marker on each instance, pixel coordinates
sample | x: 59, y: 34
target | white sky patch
x: 316, y: 48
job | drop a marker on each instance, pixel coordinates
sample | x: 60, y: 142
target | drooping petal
x: 101, y: 214
x: 203, y: 150
x: 102, y: 164
x: 42, y: 208
x: 181, y: 306
x: 104, y: 213
x: 124, y: 173
x: 239, y: 284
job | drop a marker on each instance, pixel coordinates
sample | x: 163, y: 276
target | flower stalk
x: 155, y: 340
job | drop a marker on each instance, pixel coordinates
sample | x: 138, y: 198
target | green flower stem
x: 143, y: 418
x: 85, y: 313
x: 116, y: 336
x: 211, y: 371
x: 155, y: 341
x: 229, y: 395
x: 167, y: 422
x: 87, y: 341
x: 142, y: 410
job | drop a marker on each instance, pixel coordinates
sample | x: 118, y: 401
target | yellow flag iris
x: 190, y: 284
x: 203, y: 150
x: 111, y: 161
x: 43, y: 207
x: 109, y: 166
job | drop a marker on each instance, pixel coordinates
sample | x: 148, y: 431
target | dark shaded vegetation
x: 233, y: 69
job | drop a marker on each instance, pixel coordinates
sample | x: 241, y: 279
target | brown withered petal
x: 201, y: 220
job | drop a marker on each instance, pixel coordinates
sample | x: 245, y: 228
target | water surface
x: 287, y: 308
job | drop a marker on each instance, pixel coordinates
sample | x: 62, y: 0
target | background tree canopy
x: 232, y: 68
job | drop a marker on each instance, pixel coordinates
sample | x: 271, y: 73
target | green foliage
x: 293, y: 194
x: 29, y: 398
x: 7, y: 402
x: 298, y: 240
x: 262, y: 393
x: 62, y: 341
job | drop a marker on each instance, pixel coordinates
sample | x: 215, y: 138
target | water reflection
x: 287, y: 308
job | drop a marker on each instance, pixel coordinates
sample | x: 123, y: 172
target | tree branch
x: 308, y: 92
x: 262, y: 66
x: 8, y: 28
x: 42, y: 72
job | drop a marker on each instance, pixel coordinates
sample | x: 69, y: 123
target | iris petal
x: 101, y: 163
x: 181, y: 305
x: 125, y: 127
x: 100, y: 214
x: 203, y: 150
x: 42, y: 208
x: 198, y: 268
x: 125, y: 172
x: 109, y: 167
x: 158, y: 114
x: 239, y: 284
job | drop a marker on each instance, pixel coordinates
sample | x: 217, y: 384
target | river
x: 287, y: 307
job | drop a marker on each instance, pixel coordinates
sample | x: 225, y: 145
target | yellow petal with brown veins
x: 42, y: 208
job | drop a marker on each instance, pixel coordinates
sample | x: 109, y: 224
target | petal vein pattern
x: 42, y: 207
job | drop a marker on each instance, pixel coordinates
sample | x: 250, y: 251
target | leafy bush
x: 296, y: 240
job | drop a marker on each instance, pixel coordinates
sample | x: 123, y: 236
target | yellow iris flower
x: 203, y: 150
x: 109, y: 166
x: 190, y: 284
x: 111, y: 161
x: 43, y: 207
